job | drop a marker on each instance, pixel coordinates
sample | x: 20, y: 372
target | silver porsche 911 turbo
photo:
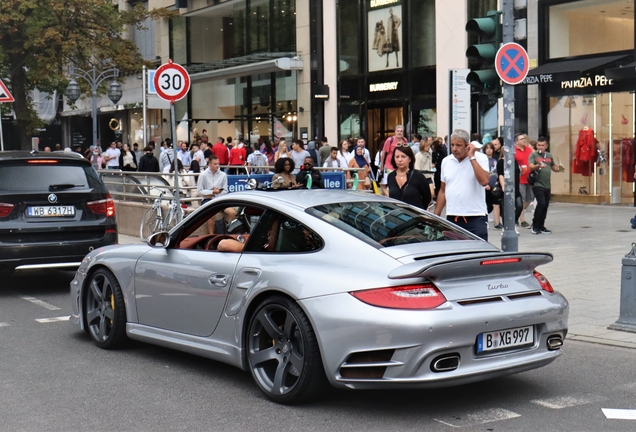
x: 304, y: 288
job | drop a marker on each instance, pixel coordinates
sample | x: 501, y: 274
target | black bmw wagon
x: 54, y: 209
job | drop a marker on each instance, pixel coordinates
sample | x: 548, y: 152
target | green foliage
x: 39, y: 39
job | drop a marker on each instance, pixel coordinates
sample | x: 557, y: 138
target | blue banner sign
x: 331, y: 180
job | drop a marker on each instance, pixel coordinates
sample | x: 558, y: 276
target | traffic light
x: 482, y: 56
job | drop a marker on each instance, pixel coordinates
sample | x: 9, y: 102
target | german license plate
x: 51, y: 211
x: 504, y: 339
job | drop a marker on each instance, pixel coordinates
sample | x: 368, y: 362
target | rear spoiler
x: 467, y: 266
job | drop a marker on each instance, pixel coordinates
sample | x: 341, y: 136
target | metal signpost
x: 172, y: 83
x: 512, y: 65
x: 5, y: 96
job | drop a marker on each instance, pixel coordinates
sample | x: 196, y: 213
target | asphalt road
x: 53, y: 378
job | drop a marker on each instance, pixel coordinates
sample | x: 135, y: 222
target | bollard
x: 627, y: 318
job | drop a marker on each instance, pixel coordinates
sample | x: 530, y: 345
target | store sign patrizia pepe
x: 590, y: 81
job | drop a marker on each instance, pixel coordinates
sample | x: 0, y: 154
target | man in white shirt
x: 111, y: 156
x: 464, y: 175
x: 298, y: 154
x: 167, y: 156
x: 212, y: 183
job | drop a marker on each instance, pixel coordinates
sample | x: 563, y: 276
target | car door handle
x: 218, y: 279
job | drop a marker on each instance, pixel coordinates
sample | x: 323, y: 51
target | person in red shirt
x: 220, y: 151
x: 522, y: 153
x: 238, y: 155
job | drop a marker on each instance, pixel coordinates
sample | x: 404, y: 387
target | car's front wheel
x: 282, y: 351
x: 104, y: 310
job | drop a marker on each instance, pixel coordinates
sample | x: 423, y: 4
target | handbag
x: 533, y: 177
x: 496, y: 191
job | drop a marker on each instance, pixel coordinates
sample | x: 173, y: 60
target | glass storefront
x: 592, y: 135
x: 590, y: 120
x: 230, y: 35
x: 387, y: 59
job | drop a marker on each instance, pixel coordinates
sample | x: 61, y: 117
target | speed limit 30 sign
x: 172, y: 81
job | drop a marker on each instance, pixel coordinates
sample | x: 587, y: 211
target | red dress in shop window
x: 585, y: 154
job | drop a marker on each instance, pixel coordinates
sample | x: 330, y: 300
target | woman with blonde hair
x: 282, y: 152
x: 424, y: 163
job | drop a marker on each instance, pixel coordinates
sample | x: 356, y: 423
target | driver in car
x: 308, y: 171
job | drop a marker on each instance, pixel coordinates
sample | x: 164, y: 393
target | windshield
x: 384, y: 224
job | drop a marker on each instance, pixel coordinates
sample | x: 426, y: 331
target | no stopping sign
x: 172, y: 81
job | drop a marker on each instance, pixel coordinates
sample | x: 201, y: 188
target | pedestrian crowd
x: 463, y: 175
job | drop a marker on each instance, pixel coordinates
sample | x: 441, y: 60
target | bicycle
x: 153, y: 220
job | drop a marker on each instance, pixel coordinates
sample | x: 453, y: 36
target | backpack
x: 258, y: 159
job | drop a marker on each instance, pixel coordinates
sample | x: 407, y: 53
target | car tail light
x: 500, y: 261
x: 545, y: 285
x: 6, y: 209
x: 425, y: 296
x: 42, y: 161
x: 103, y: 207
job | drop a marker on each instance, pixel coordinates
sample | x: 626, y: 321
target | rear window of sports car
x: 384, y: 224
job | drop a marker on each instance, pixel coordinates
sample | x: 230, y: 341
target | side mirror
x: 159, y: 240
x: 251, y: 184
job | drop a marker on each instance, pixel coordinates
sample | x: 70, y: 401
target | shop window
x: 422, y: 31
x: 590, y: 27
x: 348, y: 37
x: 592, y: 136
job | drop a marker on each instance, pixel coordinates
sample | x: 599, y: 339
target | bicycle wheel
x: 150, y: 223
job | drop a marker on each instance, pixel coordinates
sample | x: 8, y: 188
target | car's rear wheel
x: 105, y: 311
x: 282, y: 352
x: 149, y: 223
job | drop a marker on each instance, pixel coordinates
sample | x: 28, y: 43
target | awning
x: 569, y: 69
x: 623, y: 72
x: 243, y: 66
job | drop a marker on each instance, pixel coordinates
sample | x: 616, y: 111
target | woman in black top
x: 438, y: 153
x: 500, y: 176
x: 406, y: 183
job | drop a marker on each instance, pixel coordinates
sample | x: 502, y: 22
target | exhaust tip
x: 445, y: 363
x: 555, y: 342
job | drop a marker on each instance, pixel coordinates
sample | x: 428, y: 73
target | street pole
x: 176, y: 164
x: 509, y: 240
x: 143, y: 97
x: 94, y: 79
x: 1, y: 135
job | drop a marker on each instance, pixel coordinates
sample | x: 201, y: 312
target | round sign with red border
x: 512, y: 63
x: 172, y: 81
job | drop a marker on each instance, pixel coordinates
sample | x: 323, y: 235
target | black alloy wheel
x: 283, y: 354
x: 104, y: 310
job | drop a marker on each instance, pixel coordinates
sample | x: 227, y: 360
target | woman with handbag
x: 406, y: 183
x: 492, y: 199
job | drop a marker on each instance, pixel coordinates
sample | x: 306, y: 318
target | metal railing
x: 144, y: 187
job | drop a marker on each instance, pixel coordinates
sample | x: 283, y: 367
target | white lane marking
x: 560, y: 402
x: 619, y: 414
x: 54, y: 319
x: 4, y: 324
x: 40, y: 303
x: 478, y: 417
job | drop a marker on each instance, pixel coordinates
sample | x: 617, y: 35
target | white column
x: 330, y: 53
x: 450, y: 48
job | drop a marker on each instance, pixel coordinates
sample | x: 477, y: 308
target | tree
x: 40, y: 39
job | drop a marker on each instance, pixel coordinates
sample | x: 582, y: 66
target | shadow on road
x: 33, y: 282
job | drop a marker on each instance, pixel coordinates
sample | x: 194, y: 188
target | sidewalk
x: 588, y: 243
